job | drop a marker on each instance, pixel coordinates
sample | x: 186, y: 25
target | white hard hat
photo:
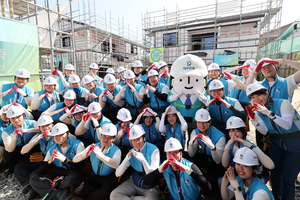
x: 44, y: 120
x: 70, y: 67
x: 124, y: 115
x: 254, y: 87
x: 265, y: 63
x: 213, y: 66
x: 171, y: 111
x: 94, y: 66
x: 188, y: 65
x: 161, y: 64
x: 50, y: 81
x: 87, y: 79
x: 128, y: 74
x: 137, y: 63
x: 234, y: 122
x: 136, y: 131
x: 94, y: 107
x: 153, y: 72
x: 250, y: 62
x: 215, y: 84
x: 172, y: 144
x: 246, y: 156
x: 121, y: 69
x: 109, y: 129
x: 77, y: 109
x: 70, y: 94
x: 148, y: 113
x: 22, y: 73
x: 109, y: 78
x: 74, y: 79
x: 110, y: 70
x: 14, y: 111
x: 153, y: 66
x: 59, y: 129
x: 202, y: 115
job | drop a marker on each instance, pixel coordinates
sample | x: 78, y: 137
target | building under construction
x: 226, y: 28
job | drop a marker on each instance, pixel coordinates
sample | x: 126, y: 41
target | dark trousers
x: 13, y: 158
x: 25, y: 170
x: 41, y: 183
x: 94, y: 186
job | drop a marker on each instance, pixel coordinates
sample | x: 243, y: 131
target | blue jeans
x: 285, y: 154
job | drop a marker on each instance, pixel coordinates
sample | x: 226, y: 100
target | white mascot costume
x: 188, y: 85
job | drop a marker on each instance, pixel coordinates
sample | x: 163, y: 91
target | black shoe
x: 26, y: 188
x: 32, y: 194
x: 63, y: 194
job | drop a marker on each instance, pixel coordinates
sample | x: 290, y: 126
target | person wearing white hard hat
x: 44, y: 99
x: 74, y: 84
x: 121, y: 80
x: 60, y: 108
x: 93, y: 72
x: 164, y: 76
x: 107, y: 98
x: 211, y: 141
x: 278, y: 118
x: 24, y: 170
x: 173, y: 128
x: 278, y: 87
x: 18, y: 133
x: 108, y: 71
x: 214, y: 73
x: 105, y: 157
x: 144, y: 158
x: 222, y: 107
x: 246, y: 185
x: 59, y: 162
x: 94, y: 91
x: 92, y: 122
x: 17, y: 91
x: 156, y: 93
x: 69, y: 70
x: 132, y: 93
x: 139, y: 77
x: 4, y: 122
x: 149, y: 120
x: 184, y: 179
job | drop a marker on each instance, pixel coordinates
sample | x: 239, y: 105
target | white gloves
x: 164, y: 166
x: 87, y: 151
x: 140, y: 157
x: 224, y: 102
x: 202, y: 98
x: 181, y: 166
x: 262, y: 109
x: 21, y: 92
x: 97, y: 151
x: 59, y: 156
x: 207, y: 141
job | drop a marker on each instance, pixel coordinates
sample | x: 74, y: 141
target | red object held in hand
x: 55, y: 72
x: 17, y: 131
x: 46, y: 94
x: 92, y: 147
x: 250, y: 112
x: 86, y: 116
x: 213, y: 101
x: 196, y: 138
x: 166, y: 165
x: 14, y: 88
x: 242, y: 67
x: 227, y: 75
x: 46, y: 134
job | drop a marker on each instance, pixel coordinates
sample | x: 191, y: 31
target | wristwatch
x: 237, y: 188
x: 272, y: 115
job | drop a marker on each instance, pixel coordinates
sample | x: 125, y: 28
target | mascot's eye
x: 180, y: 80
x: 196, y: 80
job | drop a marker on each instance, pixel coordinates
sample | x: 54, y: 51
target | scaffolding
x: 234, y: 26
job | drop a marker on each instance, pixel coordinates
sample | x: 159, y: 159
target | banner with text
x: 226, y: 60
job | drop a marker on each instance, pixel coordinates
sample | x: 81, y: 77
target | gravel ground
x: 10, y: 188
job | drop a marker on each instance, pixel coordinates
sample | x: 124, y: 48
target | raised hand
x: 164, y: 166
x: 59, y: 156
x: 86, y: 116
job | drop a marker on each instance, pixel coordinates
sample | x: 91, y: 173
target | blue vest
x: 273, y: 128
x: 2, y: 127
x: 93, y: 131
x: 61, y: 86
x: 221, y: 112
x: 156, y: 103
x: 99, y: 167
x: 279, y: 90
x: 240, y: 94
x: 23, y: 138
x: 59, y: 105
x: 98, y: 90
x: 124, y: 141
x: 70, y: 153
x: 144, y: 78
x: 255, y: 185
x: 214, y: 134
x: 165, y: 81
x: 182, y: 108
x: 131, y: 98
x: 188, y: 189
x: 15, y: 96
x: 151, y: 134
x: 147, y: 152
x: 122, y: 82
x: 45, y: 145
x: 45, y: 104
x: 86, y: 135
x: 111, y: 102
x: 225, y: 83
x: 177, y: 133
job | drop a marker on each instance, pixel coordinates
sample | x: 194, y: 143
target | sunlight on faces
x: 148, y: 120
x: 138, y: 143
x: 130, y: 81
x: 69, y: 72
x: 121, y: 74
x: 97, y: 115
x: 124, y: 124
x: 17, y: 121
x: 106, y: 140
x: 172, y: 119
x: 61, y: 139
x: 235, y: 132
x: 217, y: 92
x: 78, y: 116
x: 259, y: 98
x: 203, y: 126
x: 46, y: 127
x: 110, y: 86
x: 74, y: 85
x: 163, y: 69
x: 4, y: 117
x: 214, y: 73
x: 20, y: 82
x: 69, y: 102
x: 137, y: 70
x: 50, y: 88
x: 245, y: 72
x: 94, y: 71
x: 245, y: 172
x: 268, y: 70
x: 90, y: 85
x: 153, y: 80
x: 177, y: 155
x: 189, y: 84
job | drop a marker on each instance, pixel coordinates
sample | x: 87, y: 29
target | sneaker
x: 26, y: 188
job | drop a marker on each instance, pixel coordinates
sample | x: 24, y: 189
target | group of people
x: 120, y: 138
